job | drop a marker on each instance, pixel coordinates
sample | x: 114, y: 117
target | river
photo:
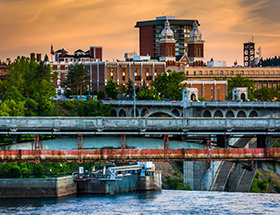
x: 156, y: 202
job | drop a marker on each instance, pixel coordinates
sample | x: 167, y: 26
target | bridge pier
x: 264, y: 141
x: 223, y: 141
x: 16, y: 138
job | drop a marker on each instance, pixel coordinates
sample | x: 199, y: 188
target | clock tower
x: 249, y: 54
x: 196, y: 47
x: 167, y: 44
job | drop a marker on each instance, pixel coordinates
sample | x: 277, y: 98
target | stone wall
x: 37, y: 187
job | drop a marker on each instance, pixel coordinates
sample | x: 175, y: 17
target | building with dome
x: 150, y: 35
x: 167, y: 44
x: 196, y: 47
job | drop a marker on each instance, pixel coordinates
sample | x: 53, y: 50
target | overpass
x: 147, y: 108
x: 223, y: 128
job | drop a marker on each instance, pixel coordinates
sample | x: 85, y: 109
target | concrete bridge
x: 150, y: 108
x: 97, y: 127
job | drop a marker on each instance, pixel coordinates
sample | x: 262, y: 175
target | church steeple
x: 167, y: 43
x: 196, y: 46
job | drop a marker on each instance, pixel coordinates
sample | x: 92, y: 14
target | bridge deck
x: 135, y: 126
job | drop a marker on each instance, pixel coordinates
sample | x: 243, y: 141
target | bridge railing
x: 216, y: 104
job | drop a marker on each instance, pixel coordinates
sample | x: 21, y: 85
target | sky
x: 32, y: 26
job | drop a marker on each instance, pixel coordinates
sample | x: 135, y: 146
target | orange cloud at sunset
x: 32, y: 26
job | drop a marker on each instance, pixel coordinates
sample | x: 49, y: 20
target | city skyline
x: 32, y: 26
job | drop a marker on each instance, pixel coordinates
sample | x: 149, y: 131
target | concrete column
x: 90, y: 74
x: 223, y: 141
x: 214, y: 88
x: 118, y: 80
x: 141, y: 66
x: 261, y: 139
x: 268, y: 141
x: 97, y: 78
x: 153, y: 72
x: 105, y: 76
x: 129, y: 71
x: 202, y: 89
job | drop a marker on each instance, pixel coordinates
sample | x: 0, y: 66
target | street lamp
x: 218, y: 94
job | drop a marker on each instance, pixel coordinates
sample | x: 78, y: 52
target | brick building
x: 210, y: 90
x: 61, y: 69
x: 121, y: 72
x: 92, y: 55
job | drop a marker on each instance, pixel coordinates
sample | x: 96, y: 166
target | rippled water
x: 164, y: 202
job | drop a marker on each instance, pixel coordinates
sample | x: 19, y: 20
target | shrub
x: 277, y: 188
x: 67, y: 105
x: 263, y: 184
x: 254, y: 187
x: 270, y: 179
x: 258, y: 174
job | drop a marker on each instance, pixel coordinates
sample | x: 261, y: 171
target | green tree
x: 77, y: 79
x: 147, y: 94
x: 168, y: 85
x: 266, y: 94
x: 111, y: 89
x: 240, y: 81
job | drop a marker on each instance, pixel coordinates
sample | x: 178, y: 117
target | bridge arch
x: 160, y: 114
x: 253, y: 114
x: 113, y: 113
x: 229, y: 113
x: 122, y: 113
x: 176, y: 112
x: 132, y: 112
x: 207, y: 113
x: 193, y: 97
x: 241, y: 114
x: 218, y: 113
x: 144, y: 112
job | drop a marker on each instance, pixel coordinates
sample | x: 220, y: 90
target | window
x: 221, y: 73
x: 211, y: 72
x: 194, y: 73
x: 232, y: 73
x: 200, y: 72
x: 66, y: 67
x: 58, y: 67
x: 59, y: 75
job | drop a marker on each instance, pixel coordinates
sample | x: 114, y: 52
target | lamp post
x: 211, y: 94
x: 218, y: 94
x: 134, y: 103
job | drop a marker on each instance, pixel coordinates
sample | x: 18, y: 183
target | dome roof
x: 195, y: 34
x: 167, y: 33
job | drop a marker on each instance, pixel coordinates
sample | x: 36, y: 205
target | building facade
x: 262, y: 76
x: 92, y: 55
x: 120, y: 72
x: 60, y: 69
x: 210, y: 90
x: 150, y: 35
